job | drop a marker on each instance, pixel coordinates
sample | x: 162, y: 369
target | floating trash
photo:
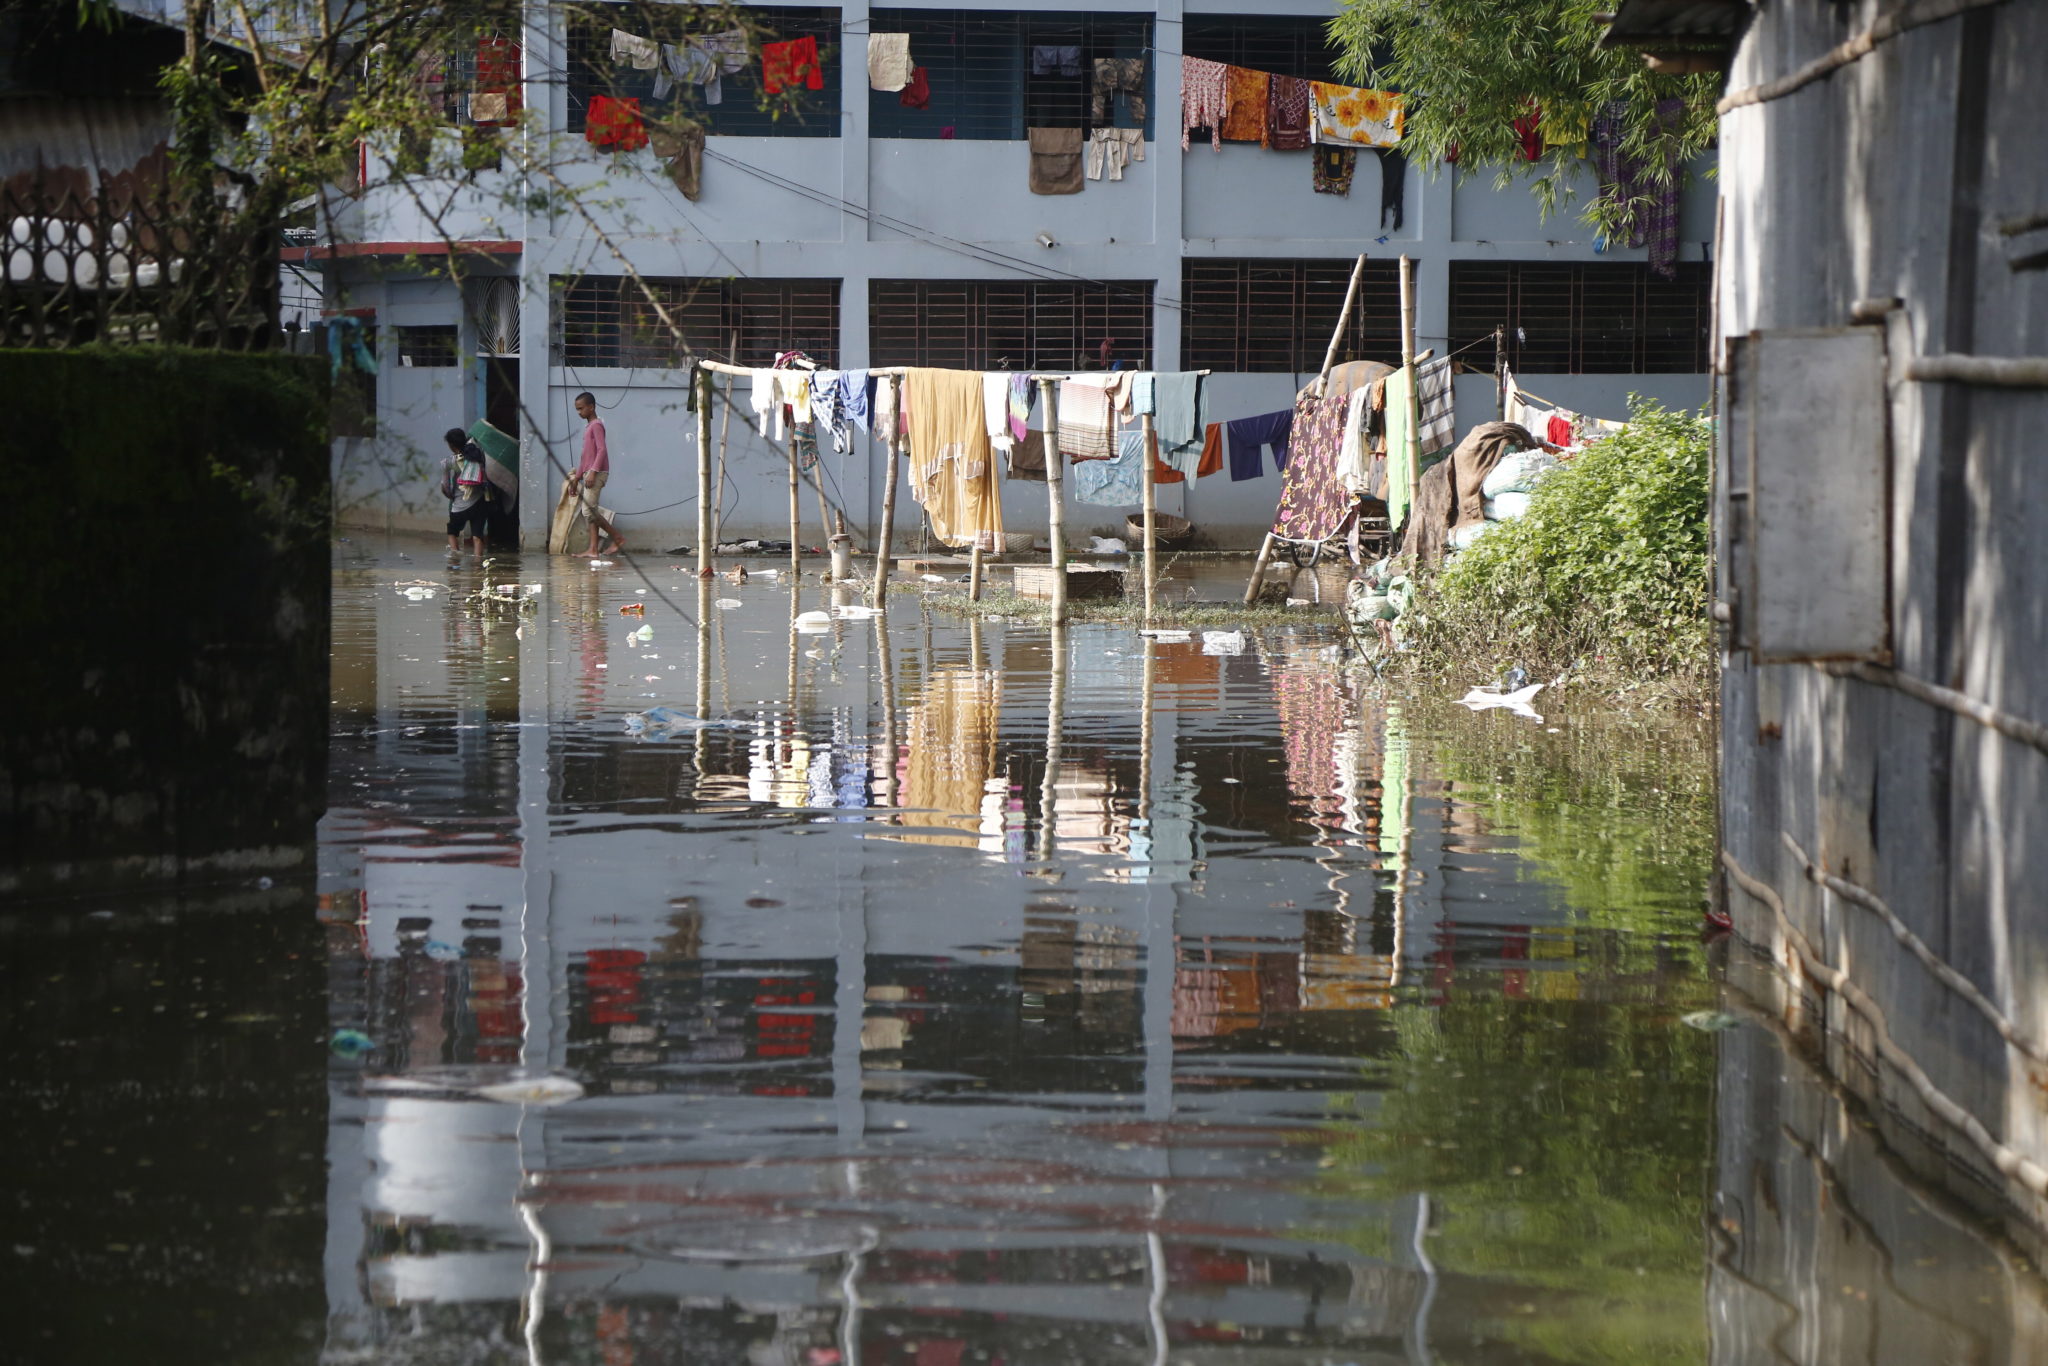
x: 726, y: 604
x: 1711, y: 1021
x: 1222, y: 642
x: 1168, y: 636
x: 810, y: 623
x: 855, y: 612
x: 508, y: 1085
x: 351, y: 1043
x: 1483, y: 699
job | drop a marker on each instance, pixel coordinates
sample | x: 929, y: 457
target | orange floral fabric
x: 1246, y: 91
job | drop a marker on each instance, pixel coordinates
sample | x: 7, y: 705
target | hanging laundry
x: 888, y: 409
x: 496, y: 100
x: 1027, y: 458
x: 1020, y: 405
x: 1397, y: 419
x: 1181, y: 421
x: 1116, y: 482
x: 995, y: 409
x: 1627, y: 180
x: 682, y: 151
x: 1055, y: 59
x: 689, y: 65
x: 791, y: 64
x: 729, y: 47
x: 1333, y: 168
x: 628, y: 49
x: 1249, y: 437
x: 1211, y: 461
x: 1114, y: 148
x: 1433, y: 391
x: 1287, y: 114
x: 853, y: 397
x: 1351, y: 451
x: 1528, y: 133
x: 761, y: 399
x: 1247, y: 92
x: 1563, y: 127
x: 1084, y: 418
x: 917, y: 94
x: 1204, y: 99
x: 950, y: 462
x: 614, y: 123
x: 1558, y: 430
x: 1393, y: 185
x: 1348, y: 116
x: 1055, y: 160
x: 1314, y: 506
x: 1119, y: 75
x: 889, y: 64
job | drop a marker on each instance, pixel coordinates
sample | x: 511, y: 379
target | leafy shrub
x: 1606, y: 574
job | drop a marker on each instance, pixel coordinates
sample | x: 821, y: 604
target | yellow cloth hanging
x: 952, y: 468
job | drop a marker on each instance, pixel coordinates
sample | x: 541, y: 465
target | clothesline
x: 719, y: 367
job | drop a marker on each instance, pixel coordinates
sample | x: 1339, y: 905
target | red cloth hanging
x: 614, y: 122
x: 1527, y: 133
x: 497, y: 74
x: 918, y: 94
x: 791, y: 64
x: 1559, y: 430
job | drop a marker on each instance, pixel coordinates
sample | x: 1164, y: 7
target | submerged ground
x: 1243, y: 1009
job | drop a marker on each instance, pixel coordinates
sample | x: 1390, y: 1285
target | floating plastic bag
x: 1107, y: 545
x: 1222, y: 642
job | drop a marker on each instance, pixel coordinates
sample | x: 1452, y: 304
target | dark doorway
x: 501, y: 410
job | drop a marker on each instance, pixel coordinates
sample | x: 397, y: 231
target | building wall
x: 1887, y: 180
x: 887, y: 208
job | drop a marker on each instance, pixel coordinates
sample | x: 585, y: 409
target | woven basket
x: 1019, y: 542
x: 1167, y: 529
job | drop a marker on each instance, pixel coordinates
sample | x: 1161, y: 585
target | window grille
x: 605, y: 320
x: 980, y: 69
x: 427, y: 347
x: 1286, y: 45
x: 1010, y: 324
x: 592, y: 72
x: 1276, y: 316
x: 1600, y: 319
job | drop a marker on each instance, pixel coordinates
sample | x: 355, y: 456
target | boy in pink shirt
x: 592, y: 473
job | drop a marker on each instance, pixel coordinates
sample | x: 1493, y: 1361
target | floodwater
x: 932, y: 996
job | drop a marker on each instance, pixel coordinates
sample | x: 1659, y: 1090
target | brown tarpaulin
x: 1450, y: 494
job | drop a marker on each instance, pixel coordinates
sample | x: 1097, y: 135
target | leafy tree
x: 1471, y: 68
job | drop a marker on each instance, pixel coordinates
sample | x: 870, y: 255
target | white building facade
x: 869, y: 233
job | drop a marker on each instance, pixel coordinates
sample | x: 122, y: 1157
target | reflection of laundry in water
x: 949, y: 755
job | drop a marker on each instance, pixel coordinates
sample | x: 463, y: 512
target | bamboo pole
x: 1408, y: 381
x: 1251, y: 590
x: 724, y: 431
x: 796, y: 513
x: 1147, y: 457
x: 974, y: 576
x: 702, y: 381
x: 1343, y: 319
x: 1055, y: 715
x: 885, y: 546
x: 1055, y: 493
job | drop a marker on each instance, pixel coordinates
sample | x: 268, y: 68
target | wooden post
x: 1251, y: 590
x: 1147, y: 455
x: 796, y: 513
x: 1055, y: 715
x: 1343, y: 318
x: 1408, y: 380
x: 885, y: 546
x: 1055, y: 509
x: 724, y: 431
x: 1500, y: 373
x: 702, y: 380
x: 974, y: 575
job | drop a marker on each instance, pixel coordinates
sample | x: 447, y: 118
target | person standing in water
x: 593, y: 472
x: 468, y: 489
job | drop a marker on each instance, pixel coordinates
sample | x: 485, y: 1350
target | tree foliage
x: 1470, y: 68
x: 1607, y: 572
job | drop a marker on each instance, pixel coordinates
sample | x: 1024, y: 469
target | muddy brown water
x: 866, y: 1014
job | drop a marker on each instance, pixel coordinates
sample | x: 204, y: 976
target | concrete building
x: 1883, y: 319
x: 870, y: 233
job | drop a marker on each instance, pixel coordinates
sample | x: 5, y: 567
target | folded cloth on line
x: 995, y: 408
x: 791, y: 64
x: 1062, y: 59
x: 889, y: 63
x: 1287, y: 118
x: 1247, y: 91
x: 1439, y: 421
x: 1114, y: 148
x: 853, y: 388
x: 1085, y: 418
x: 1055, y: 160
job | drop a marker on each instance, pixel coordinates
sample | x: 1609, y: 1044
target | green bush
x: 1605, y: 575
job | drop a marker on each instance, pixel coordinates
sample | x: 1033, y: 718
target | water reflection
x: 961, y: 994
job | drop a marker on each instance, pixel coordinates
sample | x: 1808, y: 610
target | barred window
x: 592, y: 72
x: 606, y: 320
x: 985, y: 83
x: 1605, y: 319
x: 427, y: 347
x: 1286, y: 45
x: 1276, y: 316
x: 1010, y: 324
